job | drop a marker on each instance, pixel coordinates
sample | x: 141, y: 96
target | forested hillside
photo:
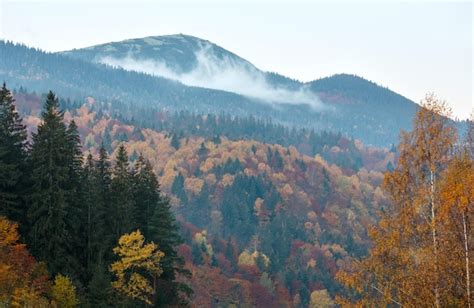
x: 72, y: 211
x: 347, y: 104
x: 261, y: 222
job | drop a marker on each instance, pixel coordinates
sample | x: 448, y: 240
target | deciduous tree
x: 138, y: 267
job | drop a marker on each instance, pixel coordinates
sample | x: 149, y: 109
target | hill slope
x: 264, y: 224
x: 341, y: 103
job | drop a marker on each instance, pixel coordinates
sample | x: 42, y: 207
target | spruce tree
x: 155, y: 218
x: 146, y: 194
x: 98, y: 221
x: 75, y: 197
x: 103, y: 237
x: 89, y: 199
x: 165, y: 233
x: 50, y: 235
x: 13, y: 166
x: 123, y: 203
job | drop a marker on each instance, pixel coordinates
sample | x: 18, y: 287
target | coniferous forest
x: 72, y: 210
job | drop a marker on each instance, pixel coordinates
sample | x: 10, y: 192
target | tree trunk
x: 435, y: 237
x: 466, y: 251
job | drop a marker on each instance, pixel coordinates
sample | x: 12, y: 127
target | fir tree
x: 90, y: 194
x: 75, y: 194
x: 177, y: 188
x: 164, y: 231
x: 175, y: 141
x: 13, y: 166
x: 100, y: 287
x: 145, y: 192
x: 103, y: 219
x: 50, y: 234
x: 122, y: 195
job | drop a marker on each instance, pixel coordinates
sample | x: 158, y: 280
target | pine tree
x: 13, y: 165
x: 50, y: 234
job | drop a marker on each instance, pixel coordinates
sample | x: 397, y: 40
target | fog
x: 227, y: 74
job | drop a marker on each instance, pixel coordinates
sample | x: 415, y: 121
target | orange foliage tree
x: 23, y: 281
x: 419, y: 247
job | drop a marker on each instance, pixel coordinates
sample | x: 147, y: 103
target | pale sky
x: 412, y: 48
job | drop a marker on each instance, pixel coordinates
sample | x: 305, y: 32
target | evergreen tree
x: 175, y: 141
x: 164, y: 231
x: 123, y: 203
x: 75, y: 195
x: 177, y: 188
x: 197, y: 254
x: 13, y: 166
x: 90, y: 194
x: 146, y: 193
x: 99, y: 231
x: 100, y: 287
x: 104, y: 208
x: 50, y: 235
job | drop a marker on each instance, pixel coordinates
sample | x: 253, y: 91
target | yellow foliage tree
x: 321, y: 299
x: 138, y: 267
x: 457, y: 205
x: 419, y: 249
x: 64, y: 292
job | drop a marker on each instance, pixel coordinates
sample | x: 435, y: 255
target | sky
x: 412, y: 48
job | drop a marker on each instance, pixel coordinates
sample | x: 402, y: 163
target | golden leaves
x: 136, y: 258
x: 193, y: 185
x: 8, y: 232
x: 64, y: 292
x: 416, y: 250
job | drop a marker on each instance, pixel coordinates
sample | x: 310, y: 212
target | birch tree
x: 405, y: 265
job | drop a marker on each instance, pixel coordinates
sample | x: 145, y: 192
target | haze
x: 410, y: 48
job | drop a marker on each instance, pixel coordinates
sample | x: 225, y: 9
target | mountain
x: 196, y: 62
x: 178, y: 52
x: 179, y: 72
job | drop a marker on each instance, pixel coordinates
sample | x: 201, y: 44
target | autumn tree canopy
x: 423, y: 244
x: 138, y: 267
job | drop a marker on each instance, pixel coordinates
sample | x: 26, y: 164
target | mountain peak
x: 176, y: 52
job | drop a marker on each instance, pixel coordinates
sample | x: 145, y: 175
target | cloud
x: 220, y: 73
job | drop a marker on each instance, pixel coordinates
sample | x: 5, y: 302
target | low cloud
x: 227, y: 74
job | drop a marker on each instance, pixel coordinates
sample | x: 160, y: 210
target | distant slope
x: 196, y: 62
x: 177, y: 51
x: 347, y: 104
x: 369, y: 108
x: 41, y: 71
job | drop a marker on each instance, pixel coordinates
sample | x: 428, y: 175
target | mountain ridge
x: 75, y: 78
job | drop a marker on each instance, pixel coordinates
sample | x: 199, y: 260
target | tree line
x: 72, y: 212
